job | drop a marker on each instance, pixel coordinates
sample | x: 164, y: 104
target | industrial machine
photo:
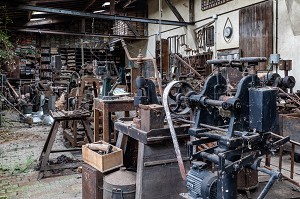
x: 239, y: 124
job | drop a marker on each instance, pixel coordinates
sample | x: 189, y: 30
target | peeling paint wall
x: 288, y: 42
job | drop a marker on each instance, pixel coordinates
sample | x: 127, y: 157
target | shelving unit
x: 27, y: 54
x: 45, y: 70
x: 72, y: 57
x: 63, y: 54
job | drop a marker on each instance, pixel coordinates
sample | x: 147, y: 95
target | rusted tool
x: 106, y: 148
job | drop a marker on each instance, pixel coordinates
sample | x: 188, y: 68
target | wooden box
x: 152, y: 117
x: 105, y: 162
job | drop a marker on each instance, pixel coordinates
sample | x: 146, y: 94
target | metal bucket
x: 119, y: 185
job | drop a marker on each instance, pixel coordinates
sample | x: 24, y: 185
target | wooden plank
x: 88, y: 130
x: 122, y: 141
x: 140, y: 169
x: 96, y: 124
x: 66, y: 150
x: 62, y: 166
x: 48, y: 145
x: 256, y: 31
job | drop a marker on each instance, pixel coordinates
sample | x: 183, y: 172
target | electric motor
x: 201, y: 183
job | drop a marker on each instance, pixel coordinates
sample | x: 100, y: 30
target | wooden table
x: 106, y: 107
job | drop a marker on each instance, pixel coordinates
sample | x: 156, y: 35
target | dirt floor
x: 20, y: 148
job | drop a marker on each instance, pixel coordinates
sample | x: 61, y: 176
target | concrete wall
x: 288, y: 42
x: 288, y: 30
x: 202, y: 17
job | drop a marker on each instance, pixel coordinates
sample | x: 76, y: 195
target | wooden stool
x: 104, y: 108
x: 47, y: 149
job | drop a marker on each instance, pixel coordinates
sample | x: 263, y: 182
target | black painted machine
x: 240, y: 125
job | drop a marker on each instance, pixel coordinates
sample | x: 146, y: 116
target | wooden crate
x: 105, y: 162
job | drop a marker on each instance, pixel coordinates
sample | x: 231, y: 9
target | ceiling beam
x: 174, y: 10
x: 103, y: 16
x: 128, y: 3
x: 75, y: 34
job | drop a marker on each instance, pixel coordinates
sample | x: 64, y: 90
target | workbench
x: 63, y: 116
x: 106, y: 107
x: 158, y: 174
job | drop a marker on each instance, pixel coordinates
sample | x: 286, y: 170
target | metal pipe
x: 274, y: 176
x: 144, y: 59
x: 213, y: 102
x: 276, y: 31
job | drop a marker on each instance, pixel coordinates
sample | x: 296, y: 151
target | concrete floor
x: 20, y: 147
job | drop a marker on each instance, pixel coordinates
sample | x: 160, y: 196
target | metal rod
x: 213, y: 127
x: 189, y: 66
x: 291, y: 141
x: 286, y: 178
x: 288, y: 95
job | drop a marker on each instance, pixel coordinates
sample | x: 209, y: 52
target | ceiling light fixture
x: 106, y: 4
x: 39, y: 13
x: 37, y: 19
x: 98, y: 11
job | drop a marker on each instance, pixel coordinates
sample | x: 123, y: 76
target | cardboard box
x: 105, y: 162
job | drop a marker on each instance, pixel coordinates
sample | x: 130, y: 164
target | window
x: 210, y: 36
x: 207, y: 4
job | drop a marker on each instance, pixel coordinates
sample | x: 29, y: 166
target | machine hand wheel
x: 176, y: 91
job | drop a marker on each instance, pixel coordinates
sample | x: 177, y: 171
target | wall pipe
x: 141, y: 58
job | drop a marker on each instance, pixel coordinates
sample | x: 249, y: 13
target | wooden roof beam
x: 174, y: 10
